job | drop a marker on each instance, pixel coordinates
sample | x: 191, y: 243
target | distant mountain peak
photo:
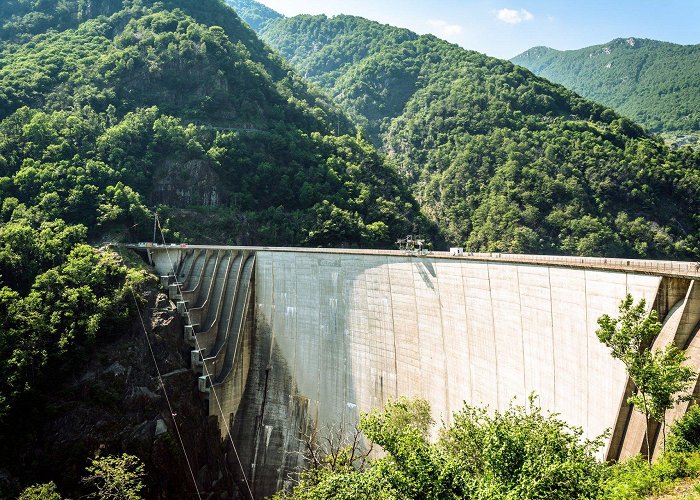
x: 654, y: 82
x: 536, y: 52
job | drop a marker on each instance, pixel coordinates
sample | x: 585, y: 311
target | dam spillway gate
x: 288, y: 339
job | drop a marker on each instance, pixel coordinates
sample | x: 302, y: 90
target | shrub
x: 632, y: 478
x: 116, y: 477
x: 517, y: 453
x: 685, y: 432
x: 45, y: 491
x: 521, y: 452
x: 636, y: 478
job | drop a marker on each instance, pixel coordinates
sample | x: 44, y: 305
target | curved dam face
x: 331, y: 334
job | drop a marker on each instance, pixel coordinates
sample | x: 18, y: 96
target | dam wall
x: 330, y: 334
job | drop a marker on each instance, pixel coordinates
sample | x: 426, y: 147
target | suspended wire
x: 165, y: 392
x: 204, y: 365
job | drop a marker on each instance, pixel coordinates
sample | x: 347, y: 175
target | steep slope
x: 221, y: 122
x: 254, y: 13
x: 502, y: 160
x: 654, y: 83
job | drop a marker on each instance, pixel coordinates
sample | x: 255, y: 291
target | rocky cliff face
x: 115, y: 404
x: 183, y: 184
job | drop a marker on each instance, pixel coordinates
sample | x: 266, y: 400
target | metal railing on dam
x: 679, y: 269
x: 322, y: 334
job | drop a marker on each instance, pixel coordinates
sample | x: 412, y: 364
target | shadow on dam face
x: 274, y: 421
x: 339, y: 333
x: 302, y: 375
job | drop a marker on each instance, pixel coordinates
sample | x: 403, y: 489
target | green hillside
x: 223, y: 128
x: 500, y: 159
x: 654, y: 83
x: 255, y: 14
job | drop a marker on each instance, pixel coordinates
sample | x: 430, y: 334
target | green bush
x: 685, y: 432
x: 45, y: 491
x: 520, y: 453
x: 116, y: 477
x: 633, y: 478
x: 517, y: 453
x: 636, y: 478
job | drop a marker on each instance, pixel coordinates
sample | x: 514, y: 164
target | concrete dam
x: 289, y: 339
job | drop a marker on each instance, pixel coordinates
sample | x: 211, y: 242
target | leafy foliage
x: 116, y: 477
x: 521, y: 453
x: 57, y: 296
x: 501, y: 160
x: 518, y: 453
x: 659, y: 375
x: 255, y: 14
x: 654, y: 83
x: 46, y: 491
x: 684, y: 435
x: 110, y: 478
x: 635, y: 478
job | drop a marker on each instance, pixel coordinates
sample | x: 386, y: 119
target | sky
x: 506, y: 28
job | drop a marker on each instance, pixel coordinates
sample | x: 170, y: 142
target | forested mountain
x: 255, y: 14
x: 220, y: 121
x: 499, y: 158
x: 655, y: 83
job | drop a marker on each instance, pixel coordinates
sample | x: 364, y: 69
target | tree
x: 659, y: 375
x: 335, y: 447
x: 116, y: 477
x: 518, y: 453
x: 45, y: 491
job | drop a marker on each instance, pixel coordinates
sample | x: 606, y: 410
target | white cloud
x: 512, y: 16
x: 444, y: 28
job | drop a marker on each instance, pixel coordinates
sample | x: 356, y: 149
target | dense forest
x: 255, y: 14
x: 500, y: 159
x: 196, y: 117
x: 653, y: 83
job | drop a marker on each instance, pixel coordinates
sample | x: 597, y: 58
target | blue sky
x: 507, y: 28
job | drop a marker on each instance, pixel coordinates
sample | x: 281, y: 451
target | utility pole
x: 155, y: 223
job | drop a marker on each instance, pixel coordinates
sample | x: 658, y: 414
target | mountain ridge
x: 255, y: 15
x: 653, y: 82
